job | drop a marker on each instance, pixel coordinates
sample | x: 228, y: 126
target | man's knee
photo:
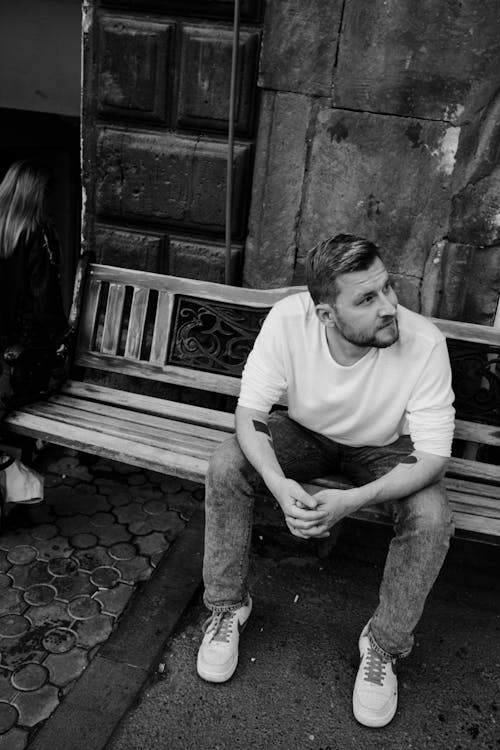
x: 228, y: 467
x: 429, y: 509
x: 226, y: 457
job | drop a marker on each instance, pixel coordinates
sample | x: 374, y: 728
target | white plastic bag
x: 20, y: 484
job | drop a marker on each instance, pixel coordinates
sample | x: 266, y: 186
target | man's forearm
x: 256, y: 443
x: 412, y: 474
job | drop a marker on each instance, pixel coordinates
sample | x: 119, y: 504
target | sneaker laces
x: 375, y: 666
x: 219, y: 626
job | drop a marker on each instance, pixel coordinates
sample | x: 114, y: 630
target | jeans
x: 422, y: 524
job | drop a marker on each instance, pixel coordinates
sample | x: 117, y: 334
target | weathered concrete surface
x: 300, y: 45
x: 482, y: 286
x: 298, y: 659
x: 405, y: 151
x: 476, y: 212
x: 417, y: 59
x: 458, y: 267
x: 385, y: 178
x: 277, y: 189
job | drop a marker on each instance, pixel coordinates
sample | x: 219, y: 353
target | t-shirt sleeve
x: 430, y: 412
x: 263, y: 380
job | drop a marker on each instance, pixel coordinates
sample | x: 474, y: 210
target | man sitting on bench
x: 368, y: 384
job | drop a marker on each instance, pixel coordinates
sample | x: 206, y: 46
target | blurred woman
x: 31, y: 309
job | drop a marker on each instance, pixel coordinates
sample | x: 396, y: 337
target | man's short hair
x: 343, y: 253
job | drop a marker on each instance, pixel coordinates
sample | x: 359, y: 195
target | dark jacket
x: 31, y: 309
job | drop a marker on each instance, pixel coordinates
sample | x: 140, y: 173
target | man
x: 368, y: 385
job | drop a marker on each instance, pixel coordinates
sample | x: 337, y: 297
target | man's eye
x: 388, y: 287
x: 366, y: 300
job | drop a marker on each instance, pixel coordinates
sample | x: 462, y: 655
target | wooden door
x: 155, y: 121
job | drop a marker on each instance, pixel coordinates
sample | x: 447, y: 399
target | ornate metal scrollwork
x: 476, y: 381
x: 213, y: 336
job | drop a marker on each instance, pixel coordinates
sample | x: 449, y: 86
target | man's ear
x: 325, y: 313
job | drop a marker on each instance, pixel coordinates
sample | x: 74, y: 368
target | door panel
x: 156, y: 102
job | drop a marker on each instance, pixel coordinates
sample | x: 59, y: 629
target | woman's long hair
x: 22, y: 203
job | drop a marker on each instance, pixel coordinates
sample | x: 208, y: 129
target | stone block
x: 130, y: 248
x: 205, y: 76
x: 483, y: 287
x: 300, y: 45
x: 133, y: 68
x: 203, y: 260
x: 384, y: 178
x: 415, y: 59
x: 431, y: 291
x: 475, y: 217
x: 168, y: 177
x: 457, y: 270
x: 277, y: 189
x: 408, y: 290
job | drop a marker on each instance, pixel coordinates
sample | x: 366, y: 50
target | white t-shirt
x: 400, y: 390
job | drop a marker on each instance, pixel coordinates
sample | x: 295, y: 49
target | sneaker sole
x: 368, y: 720
x: 210, y: 676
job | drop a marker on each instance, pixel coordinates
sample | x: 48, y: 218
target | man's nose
x: 386, y: 307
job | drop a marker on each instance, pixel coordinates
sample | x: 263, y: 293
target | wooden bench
x: 196, y: 335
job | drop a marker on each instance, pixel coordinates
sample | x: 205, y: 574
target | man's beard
x: 361, y: 339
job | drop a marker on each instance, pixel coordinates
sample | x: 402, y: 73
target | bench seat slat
x: 481, y: 491
x: 189, y: 443
x: 151, y: 405
x: 462, y: 467
x: 145, y: 422
x: 477, y: 433
x: 467, y: 504
x: 119, y: 449
x: 225, y: 421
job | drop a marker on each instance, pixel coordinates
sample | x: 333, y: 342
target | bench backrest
x: 181, y: 331
x: 198, y: 334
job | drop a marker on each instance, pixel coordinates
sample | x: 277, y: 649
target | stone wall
x: 382, y: 118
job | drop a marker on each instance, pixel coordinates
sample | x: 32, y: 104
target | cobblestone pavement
x: 68, y: 568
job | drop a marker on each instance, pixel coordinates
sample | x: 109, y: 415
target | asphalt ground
x: 298, y: 658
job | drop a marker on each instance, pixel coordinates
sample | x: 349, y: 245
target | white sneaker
x: 218, y: 653
x: 375, y: 696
